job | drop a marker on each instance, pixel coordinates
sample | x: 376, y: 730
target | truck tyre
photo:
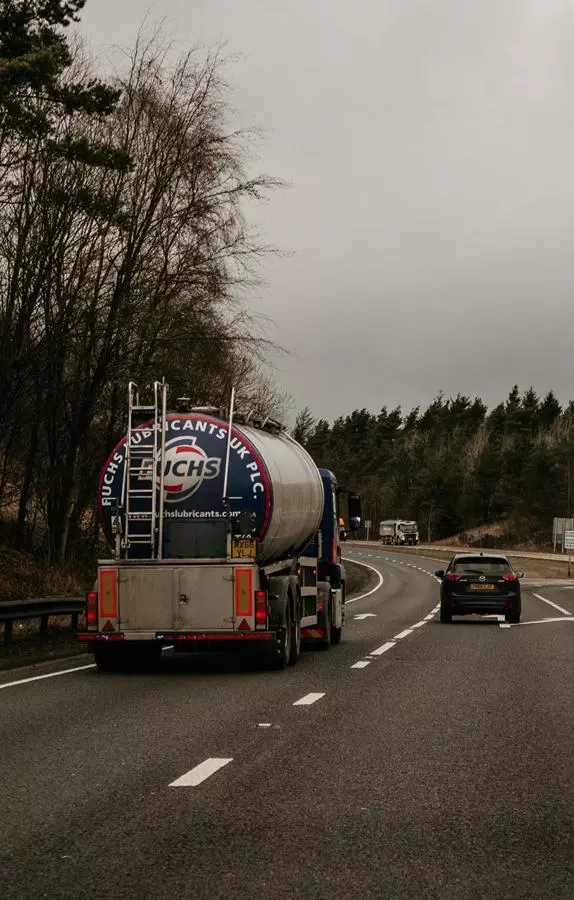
x: 337, y: 633
x: 325, y: 617
x: 146, y: 659
x: 281, y: 653
x: 107, y: 659
x: 295, y: 634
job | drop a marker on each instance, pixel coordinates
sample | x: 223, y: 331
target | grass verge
x: 531, y: 566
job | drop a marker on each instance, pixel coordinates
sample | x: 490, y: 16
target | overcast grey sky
x: 430, y: 145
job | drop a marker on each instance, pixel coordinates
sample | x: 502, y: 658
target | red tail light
x: 260, y: 609
x: 92, y: 611
x: 511, y: 577
x: 453, y: 576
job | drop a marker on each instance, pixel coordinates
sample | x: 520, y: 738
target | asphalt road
x: 443, y: 768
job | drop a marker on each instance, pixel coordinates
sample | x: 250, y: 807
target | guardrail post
x: 7, y: 631
x: 44, y: 624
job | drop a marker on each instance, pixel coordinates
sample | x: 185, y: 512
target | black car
x: 475, y: 583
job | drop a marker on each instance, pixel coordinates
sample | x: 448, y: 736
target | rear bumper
x: 482, y: 606
x: 172, y: 637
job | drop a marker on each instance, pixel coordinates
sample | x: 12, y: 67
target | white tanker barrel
x: 275, y: 492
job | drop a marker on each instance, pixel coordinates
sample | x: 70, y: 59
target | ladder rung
x: 141, y: 492
x: 141, y: 451
x: 144, y: 408
x: 135, y: 470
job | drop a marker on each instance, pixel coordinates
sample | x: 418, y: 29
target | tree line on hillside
x: 455, y: 466
x: 124, y: 254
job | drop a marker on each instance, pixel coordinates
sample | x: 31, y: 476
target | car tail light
x: 92, y: 611
x: 511, y: 577
x: 453, y: 576
x: 260, y: 609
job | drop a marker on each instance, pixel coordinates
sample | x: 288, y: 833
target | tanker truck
x: 222, y: 533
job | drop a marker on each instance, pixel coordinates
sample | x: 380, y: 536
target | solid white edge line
x: 372, y: 591
x: 564, y: 612
x: 199, y: 773
x: 382, y: 649
x: 49, y: 675
x: 362, y: 664
x: 308, y: 699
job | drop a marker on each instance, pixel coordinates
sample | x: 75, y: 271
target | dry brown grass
x: 23, y: 577
x: 531, y: 566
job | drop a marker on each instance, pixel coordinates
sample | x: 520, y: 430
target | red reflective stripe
x: 108, y: 583
x: 244, y: 592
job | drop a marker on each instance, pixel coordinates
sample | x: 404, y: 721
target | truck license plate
x: 242, y: 549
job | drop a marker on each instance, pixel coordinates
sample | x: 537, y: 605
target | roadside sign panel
x: 559, y: 528
x: 569, y: 540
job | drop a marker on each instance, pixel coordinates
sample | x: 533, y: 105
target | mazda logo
x: 482, y: 578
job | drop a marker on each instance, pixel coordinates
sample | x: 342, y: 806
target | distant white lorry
x: 400, y: 532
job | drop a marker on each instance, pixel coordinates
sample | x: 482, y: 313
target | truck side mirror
x: 440, y: 573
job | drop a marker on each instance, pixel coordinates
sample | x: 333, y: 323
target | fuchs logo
x: 187, y: 466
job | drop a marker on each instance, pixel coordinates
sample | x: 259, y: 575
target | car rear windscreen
x: 482, y: 565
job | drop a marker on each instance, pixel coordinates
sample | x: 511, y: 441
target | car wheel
x: 512, y: 618
x: 445, y: 615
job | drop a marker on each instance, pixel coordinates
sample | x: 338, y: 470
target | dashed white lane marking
x: 198, y: 774
x: 504, y: 625
x: 49, y: 675
x: 429, y: 617
x: 565, y: 612
x: 419, y: 624
x: 383, y: 648
x: 366, y: 616
x: 373, y: 590
x: 308, y: 699
x: 362, y: 664
x: 264, y: 725
x: 403, y: 634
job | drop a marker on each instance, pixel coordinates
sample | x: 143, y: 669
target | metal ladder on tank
x: 149, y: 456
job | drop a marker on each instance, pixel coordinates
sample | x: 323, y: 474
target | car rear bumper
x: 463, y: 606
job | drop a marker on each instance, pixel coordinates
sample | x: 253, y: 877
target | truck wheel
x: 146, y: 659
x: 325, y: 643
x: 337, y: 633
x: 281, y: 653
x: 107, y: 659
x: 295, y: 636
x: 324, y: 617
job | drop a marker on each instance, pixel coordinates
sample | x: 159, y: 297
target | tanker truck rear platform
x: 224, y: 533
